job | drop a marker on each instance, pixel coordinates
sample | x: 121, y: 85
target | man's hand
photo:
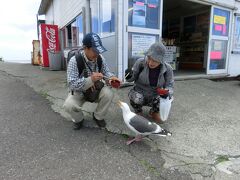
x: 128, y: 73
x: 96, y: 76
x: 163, y: 93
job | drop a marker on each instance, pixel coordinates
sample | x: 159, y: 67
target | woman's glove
x: 163, y: 93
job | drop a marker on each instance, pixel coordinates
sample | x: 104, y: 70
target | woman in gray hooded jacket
x: 152, y: 78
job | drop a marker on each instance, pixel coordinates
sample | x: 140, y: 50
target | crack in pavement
x: 11, y: 75
x: 148, y: 166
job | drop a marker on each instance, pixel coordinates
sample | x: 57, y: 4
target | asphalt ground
x: 37, y: 143
x: 204, y: 120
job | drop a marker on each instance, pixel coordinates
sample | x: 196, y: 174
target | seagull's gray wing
x: 142, y: 125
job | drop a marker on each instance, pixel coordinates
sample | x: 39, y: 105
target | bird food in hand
x: 115, y: 84
x: 162, y: 91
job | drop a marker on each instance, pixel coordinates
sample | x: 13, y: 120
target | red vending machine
x: 49, y: 41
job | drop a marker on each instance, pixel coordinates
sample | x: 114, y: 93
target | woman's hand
x: 164, y: 93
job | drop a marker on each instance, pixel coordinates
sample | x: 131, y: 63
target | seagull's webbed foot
x: 137, y: 138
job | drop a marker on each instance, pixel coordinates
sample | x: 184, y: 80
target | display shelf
x: 191, y: 65
x: 191, y: 55
x: 192, y: 40
x: 192, y: 51
x: 186, y: 43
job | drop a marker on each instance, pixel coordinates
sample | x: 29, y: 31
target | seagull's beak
x: 119, y: 103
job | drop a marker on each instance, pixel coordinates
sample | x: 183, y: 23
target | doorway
x: 185, y: 32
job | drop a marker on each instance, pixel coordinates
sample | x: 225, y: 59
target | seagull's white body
x: 139, y: 124
x: 128, y: 115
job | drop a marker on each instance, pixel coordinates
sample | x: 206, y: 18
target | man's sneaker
x: 78, y: 125
x: 100, y: 123
x: 155, y: 116
x: 164, y: 132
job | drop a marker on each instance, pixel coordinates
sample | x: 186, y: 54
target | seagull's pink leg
x: 137, y: 138
x: 130, y: 141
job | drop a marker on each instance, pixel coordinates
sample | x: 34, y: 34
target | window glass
x: 79, y: 24
x: 68, y: 36
x: 138, y: 44
x: 218, y: 54
x: 94, y: 5
x: 220, y: 26
x: 74, y: 32
x: 108, y: 16
x: 64, y: 30
x: 144, y: 13
x: 236, y: 39
x: 103, y: 16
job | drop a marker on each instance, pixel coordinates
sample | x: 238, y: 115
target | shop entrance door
x: 143, y: 22
x: 218, y: 48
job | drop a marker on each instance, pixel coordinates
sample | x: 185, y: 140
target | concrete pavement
x: 204, y: 121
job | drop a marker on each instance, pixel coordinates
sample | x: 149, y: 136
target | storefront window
x: 220, y: 26
x: 218, y: 54
x: 138, y: 44
x: 144, y: 13
x: 103, y: 16
x: 73, y: 33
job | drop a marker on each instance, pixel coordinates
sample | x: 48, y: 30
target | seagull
x: 140, y: 125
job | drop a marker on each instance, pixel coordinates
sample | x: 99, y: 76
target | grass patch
x: 150, y: 168
x: 221, y: 158
x: 44, y: 94
x: 125, y: 136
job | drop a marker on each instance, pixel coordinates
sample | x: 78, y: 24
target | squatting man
x: 85, y: 86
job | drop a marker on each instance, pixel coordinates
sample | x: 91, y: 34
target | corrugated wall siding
x: 49, y: 15
x: 64, y: 11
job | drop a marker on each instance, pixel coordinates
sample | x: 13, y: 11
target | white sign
x: 141, y: 43
x: 170, y: 54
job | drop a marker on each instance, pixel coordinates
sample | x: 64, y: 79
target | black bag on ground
x: 92, y: 95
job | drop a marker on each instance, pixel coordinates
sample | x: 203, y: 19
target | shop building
x: 202, y: 36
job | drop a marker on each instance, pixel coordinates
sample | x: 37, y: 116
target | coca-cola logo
x: 51, y: 37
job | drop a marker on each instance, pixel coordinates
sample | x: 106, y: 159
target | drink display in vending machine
x: 49, y: 41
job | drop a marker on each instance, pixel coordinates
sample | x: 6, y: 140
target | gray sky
x: 17, y: 29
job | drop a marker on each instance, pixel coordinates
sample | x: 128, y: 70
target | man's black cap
x: 94, y: 41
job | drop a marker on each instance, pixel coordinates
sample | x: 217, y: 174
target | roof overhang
x: 43, y: 7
